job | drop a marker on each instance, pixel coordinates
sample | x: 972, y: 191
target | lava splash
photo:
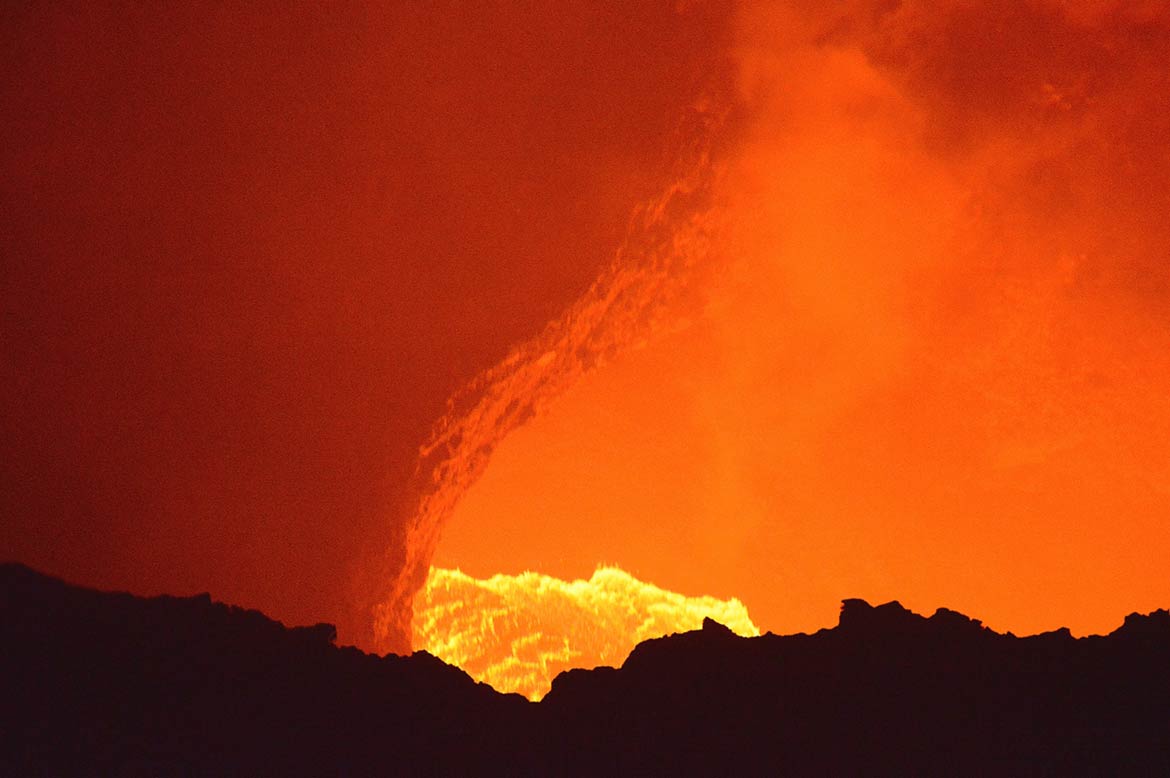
x: 517, y: 632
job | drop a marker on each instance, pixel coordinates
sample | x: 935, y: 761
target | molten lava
x: 517, y: 632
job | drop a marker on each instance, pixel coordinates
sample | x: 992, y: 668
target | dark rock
x: 108, y: 684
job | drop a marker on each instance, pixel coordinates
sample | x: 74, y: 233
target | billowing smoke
x: 933, y: 361
x: 888, y: 319
x: 942, y: 366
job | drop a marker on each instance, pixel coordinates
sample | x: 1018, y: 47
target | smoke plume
x: 932, y: 364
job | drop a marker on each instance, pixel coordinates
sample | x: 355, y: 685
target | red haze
x: 250, y: 251
x: 901, y: 281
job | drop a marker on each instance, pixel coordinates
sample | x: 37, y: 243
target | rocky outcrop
x: 110, y: 684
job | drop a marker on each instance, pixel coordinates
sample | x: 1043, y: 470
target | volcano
x: 586, y: 347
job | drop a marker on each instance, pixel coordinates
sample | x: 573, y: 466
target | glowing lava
x: 517, y: 632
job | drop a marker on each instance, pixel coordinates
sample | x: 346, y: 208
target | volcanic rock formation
x: 110, y: 684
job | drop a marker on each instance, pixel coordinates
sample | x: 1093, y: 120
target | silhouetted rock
x: 109, y: 684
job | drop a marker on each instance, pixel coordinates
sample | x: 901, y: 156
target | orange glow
x: 664, y: 256
x: 932, y: 362
x: 518, y: 632
x: 777, y: 299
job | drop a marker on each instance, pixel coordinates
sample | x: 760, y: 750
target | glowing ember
x: 518, y: 632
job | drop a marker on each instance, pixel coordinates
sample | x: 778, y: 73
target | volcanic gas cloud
x: 914, y: 342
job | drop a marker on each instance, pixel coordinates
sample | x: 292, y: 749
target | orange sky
x: 921, y: 248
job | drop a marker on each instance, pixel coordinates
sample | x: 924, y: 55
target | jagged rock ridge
x: 98, y: 683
